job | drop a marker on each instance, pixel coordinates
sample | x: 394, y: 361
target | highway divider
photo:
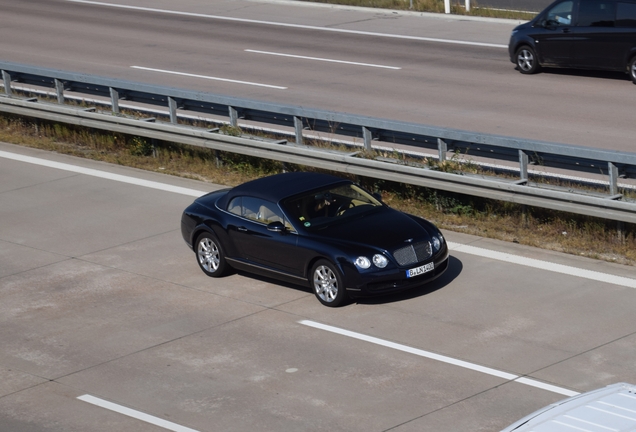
x: 369, y: 132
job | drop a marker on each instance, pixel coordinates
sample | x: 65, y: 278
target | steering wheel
x: 344, y: 207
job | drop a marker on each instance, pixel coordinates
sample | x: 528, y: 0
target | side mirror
x: 377, y: 196
x: 276, y: 227
x: 549, y: 24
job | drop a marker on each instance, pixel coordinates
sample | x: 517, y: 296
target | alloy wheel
x: 209, y: 255
x: 325, y: 283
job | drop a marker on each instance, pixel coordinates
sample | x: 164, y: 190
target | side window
x: 257, y: 210
x: 597, y: 13
x: 560, y: 14
x: 235, y: 206
x: 626, y: 15
x: 250, y: 207
x: 269, y: 212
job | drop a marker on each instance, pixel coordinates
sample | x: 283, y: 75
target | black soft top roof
x: 279, y: 186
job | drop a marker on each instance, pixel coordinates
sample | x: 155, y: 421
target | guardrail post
x: 523, y: 179
x: 613, y: 178
x: 442, y: 149
x: 233, y: 116
x: 467, y: 5
x: 523, y: 165
x: 613, y: 190
x: 6, y: 78
x: 298, y: 128
x: 172, y: 107
x: 367, y: 136
x: 114, y: 100
x: 59, y: 89
x: 447, y: 8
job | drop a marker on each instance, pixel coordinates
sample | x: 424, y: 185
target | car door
x: 598, y: 43
x: 553, y: 35
x: 258, y: 245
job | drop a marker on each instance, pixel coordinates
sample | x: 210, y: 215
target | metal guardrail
x: 368, y: 130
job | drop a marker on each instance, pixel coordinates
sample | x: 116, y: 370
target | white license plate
x: 420, y: 270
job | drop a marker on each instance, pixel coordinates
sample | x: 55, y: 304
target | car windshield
x: 321, y: 208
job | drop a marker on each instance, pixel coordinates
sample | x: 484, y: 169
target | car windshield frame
x: 321, y: 208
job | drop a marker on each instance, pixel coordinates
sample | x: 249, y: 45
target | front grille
x: 413, y: 253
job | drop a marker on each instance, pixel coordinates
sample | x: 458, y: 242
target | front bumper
x: 377, y: 283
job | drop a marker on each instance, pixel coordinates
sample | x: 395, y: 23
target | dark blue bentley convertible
x: 314, y: 229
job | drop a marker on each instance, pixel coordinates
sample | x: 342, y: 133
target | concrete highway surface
x: 430, y: 69
x: 108, y: 324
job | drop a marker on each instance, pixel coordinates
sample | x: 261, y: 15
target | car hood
x: 384, y: 229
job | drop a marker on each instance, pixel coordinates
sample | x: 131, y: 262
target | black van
x: 584, y: 34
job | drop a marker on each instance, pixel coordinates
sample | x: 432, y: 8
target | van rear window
x: 626, y: 15
x: 596, y: 13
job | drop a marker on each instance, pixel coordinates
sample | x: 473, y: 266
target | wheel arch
x: 200, y: 229
x: 338, y: 261
x: 631, y: 55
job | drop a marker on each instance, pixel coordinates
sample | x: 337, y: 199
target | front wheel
x: 631, y: 69
x: 210, y: 255
x: 327, y: 284
x: 527, y: 62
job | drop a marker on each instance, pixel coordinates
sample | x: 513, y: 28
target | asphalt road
x: 377, y: 63
x: 103, y: 303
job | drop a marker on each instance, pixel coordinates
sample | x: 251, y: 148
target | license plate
x: 420, y: 270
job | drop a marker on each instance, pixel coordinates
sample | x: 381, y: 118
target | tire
x: 631, y: 69
x: 210, y: 255
x: 326, y: 281
x: 526, y: 59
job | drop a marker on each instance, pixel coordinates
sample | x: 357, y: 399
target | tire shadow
x: 607, y: 75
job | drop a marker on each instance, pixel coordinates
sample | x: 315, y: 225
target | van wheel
x: 527, y: 62
x: 631, y: 69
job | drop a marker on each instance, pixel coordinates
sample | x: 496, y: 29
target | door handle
x: 243, y: 229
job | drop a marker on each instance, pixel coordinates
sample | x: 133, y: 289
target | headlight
x: 380, y: 261
x: 363, y: 262
x: 437, y: 242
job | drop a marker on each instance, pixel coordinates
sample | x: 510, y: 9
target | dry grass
x: 434, y: 6
x: 552, y: 230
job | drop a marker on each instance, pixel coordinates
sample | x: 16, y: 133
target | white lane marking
x: 306, y: 27
x: 102, y: 174
x: 501, y: 256
x: 323, y: 59
x: 439, y: 357
x: 135, y: 414
x: 544, y: 265
x: 208, y: 77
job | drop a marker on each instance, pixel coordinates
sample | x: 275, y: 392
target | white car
x: 611, y: 408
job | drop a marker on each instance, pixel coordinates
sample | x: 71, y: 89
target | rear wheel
x: 527, y: 62
x: 327, y: 284
x: 210, y: 255
x: 631, y: 69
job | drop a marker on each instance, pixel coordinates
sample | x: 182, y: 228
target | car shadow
x: 454, y: 269
x: 608, y: 75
